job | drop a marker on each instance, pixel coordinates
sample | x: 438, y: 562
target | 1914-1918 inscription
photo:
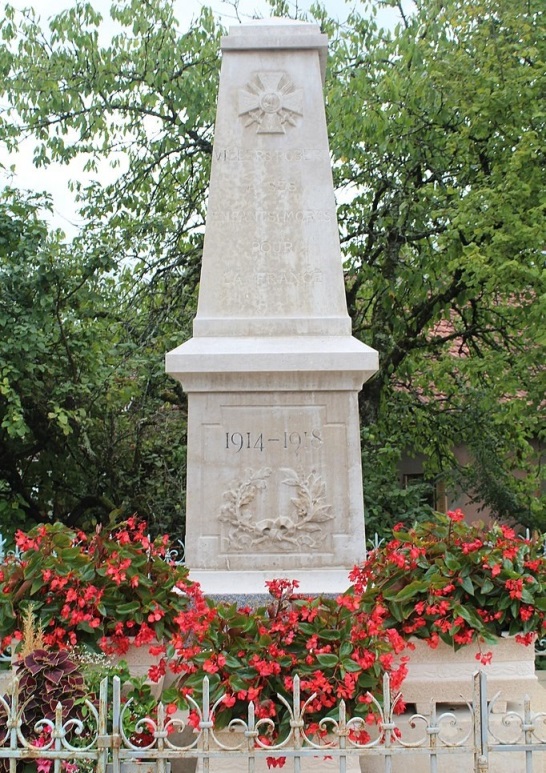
x: 258, y: 441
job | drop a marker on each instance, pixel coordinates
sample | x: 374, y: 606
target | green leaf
x: 350, y: 665
x: 128, y: 608
x: 468, y: 585
x: 468, y: 614
x: 487, y: 586
x: 237, y: 683
x: 410, y: 591
x: 451, y: 562
x: 540, y: 603
x: 527, y: 597
x: 327, y: 661
x: 329, y: 634
x: 232, y: 662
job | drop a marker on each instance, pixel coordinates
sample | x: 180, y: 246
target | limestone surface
x: 272, y: 372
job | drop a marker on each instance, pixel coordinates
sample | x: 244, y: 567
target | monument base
x: 445, y: 675
x: 246, y: 583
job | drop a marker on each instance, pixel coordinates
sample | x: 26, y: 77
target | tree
x: 143, y: 102
x: 441, y: 146
x: 83, y: 425
x: 437, y: 133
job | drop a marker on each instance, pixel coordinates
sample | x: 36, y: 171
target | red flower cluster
x: 107, y: 588
x: 339, y: 652
x: 461, y: 583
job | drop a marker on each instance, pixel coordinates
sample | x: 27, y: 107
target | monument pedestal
x: 273, y: 460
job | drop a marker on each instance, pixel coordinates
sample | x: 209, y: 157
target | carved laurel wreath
x: 301, y: 528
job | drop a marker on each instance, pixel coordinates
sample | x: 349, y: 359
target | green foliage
x: 84, y: 424
x: 444, y: 579
x: 439, y: 150
x: 138, y: 703
x: 100, y: 589
x: 144, y: 102
x: 386, y: 501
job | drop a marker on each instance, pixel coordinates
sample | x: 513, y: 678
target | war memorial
x: 272, y: 372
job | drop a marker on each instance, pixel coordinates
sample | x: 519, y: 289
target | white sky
x: 55, y: 178
x: 187, y: 9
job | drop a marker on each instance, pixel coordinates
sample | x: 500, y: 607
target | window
x: 434, y: 494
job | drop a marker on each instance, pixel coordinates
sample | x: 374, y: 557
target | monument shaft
x: 272, y: 373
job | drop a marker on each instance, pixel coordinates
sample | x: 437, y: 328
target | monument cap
x: 279, y: 34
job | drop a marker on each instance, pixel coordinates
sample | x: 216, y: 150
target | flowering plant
x: 103, y: 590
x: 337, y: 650
x: 459, y: 583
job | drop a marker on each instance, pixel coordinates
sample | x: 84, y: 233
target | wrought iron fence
x: 7, y: 548
x: 96, y: 737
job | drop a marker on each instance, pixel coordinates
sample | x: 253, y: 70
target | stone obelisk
x: 272, y: 373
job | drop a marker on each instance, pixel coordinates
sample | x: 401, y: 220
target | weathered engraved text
x: 293, y: 155
x: 277, y: 216
x: 288, y: 278
x: 275, y: 278
x: 280, y: 247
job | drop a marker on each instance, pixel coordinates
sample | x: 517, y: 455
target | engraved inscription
x: 301, y: 527
x: 273, y: 248
x: 248, y: 154
x: 284, y: 186
x: 278, y: 216
x: 287, y: 278
x: 273, y: 279
x: 257, y: 441
x: 271, y: 101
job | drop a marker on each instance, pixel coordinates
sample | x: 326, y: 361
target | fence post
x: 103, y: 740
x: 251, y: 735
x: 296, y: 723
x: 433, y: 731
x: 116, y: 725
x: 14, y: 720
x: 160, y: 735
x: 206, y: 725
x: 387, y: 724
x: 528, y: 727
x: 480, y: 719
x: 342, y: 737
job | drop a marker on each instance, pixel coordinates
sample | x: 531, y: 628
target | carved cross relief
x: 271, y: 101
